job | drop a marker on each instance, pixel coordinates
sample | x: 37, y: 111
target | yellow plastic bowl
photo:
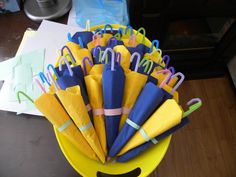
x: 146, y: 161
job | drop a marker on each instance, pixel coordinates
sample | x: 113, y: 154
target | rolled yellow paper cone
x: 167, y: 116
x: 94, y: 89
x: 125, y: 56
x: 134, y: 83
x: 73, y: 48
x: 102, y: 41
x: 73, y: 102
x: 96, y: 69
x: 49, y: 106
x: 156, y: 57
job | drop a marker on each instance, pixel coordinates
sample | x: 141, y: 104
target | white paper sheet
x: 50, y: 36
x: 20, y: 71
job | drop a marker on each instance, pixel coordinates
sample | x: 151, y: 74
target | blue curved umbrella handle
x: 105, y: 28
x: 166, y: 59
x: 84, y: 64
x: 69, y: 37
x: 172, y: 70
x: 153, y: 44
x: 68, y: 49
x: 43, y: 78
x: 130, y: 30
x: 99, y: 30
x: 52, y: 67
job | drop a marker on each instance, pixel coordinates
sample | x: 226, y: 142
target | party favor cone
x: 94, y: 88
x: 134, y: 83
x: 68, y: 76
x: 97, y: 69
x: 113, y: 41
x: 49, y: 106
x: 167, y: 116
x: 125, y: 56
x: 139, y: 149
x: 136, y: 151
x: 73, y: 102
x: 82, y: 38
x: 113, y: 80
x: 150, y: 98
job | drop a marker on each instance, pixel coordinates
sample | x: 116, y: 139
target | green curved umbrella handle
x: 24, y: 94
x: 100, y: 57
x: 146, y: 62
x: 118, y: 36
x: 193, y: 107
x: 144, y: 33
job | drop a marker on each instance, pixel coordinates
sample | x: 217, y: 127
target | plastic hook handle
x: 182, y: 77
x: 84, y: 64
x: 67, y: 64
x: 153, y: 44
x: 105, y: 28
x: 136, y: 54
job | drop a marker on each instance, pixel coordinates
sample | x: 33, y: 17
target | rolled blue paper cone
x: 113, y: 41
x: 85, y: 36
x: 152, y: 80
x: 141, y: 49
x: 77, y: 73
x: 136, y: 151
x: 113, y: 44
x: 148, y: 101
x: 113, y: 89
